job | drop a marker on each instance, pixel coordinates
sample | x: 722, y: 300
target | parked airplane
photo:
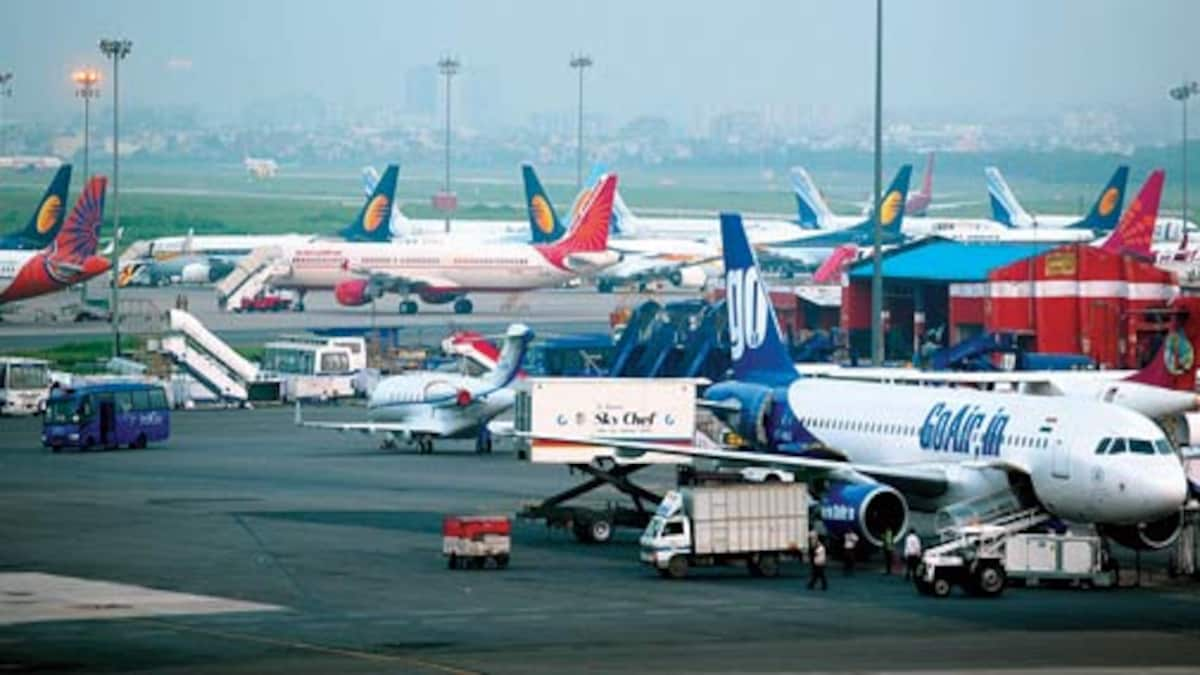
x: 811, y: 248
x: 30, y: 162
x: 643, y: 261
x: 418, y: 407
x: 47, y: 219
x: 361, y: 272
x: 814, y: 212
x: 876, y: 450
x: 1101, y: 218
x: 68, y: 260
x: 259, y: 167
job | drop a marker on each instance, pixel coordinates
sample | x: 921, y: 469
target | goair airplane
x: 359, y: 272
x: 1101, y: 218
x: 68, y: 260
x: 873, y: 451
x: 416, y: 408
x: 47, y: 218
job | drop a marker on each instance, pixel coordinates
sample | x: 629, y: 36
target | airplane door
x: 1060, y: 459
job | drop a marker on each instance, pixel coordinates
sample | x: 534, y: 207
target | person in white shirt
x: 912, y: 554
x: 849, y: 552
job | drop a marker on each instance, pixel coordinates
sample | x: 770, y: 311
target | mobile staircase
x: 250, y: 276
x: 971, y: 553
x: 228, y: 375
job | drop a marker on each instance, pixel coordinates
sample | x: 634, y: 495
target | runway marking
x: 30, y: 597
x: 310, y: 647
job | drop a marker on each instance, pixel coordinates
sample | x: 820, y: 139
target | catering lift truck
x: 551, y: 411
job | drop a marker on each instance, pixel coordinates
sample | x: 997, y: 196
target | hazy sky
x: 675, y: 56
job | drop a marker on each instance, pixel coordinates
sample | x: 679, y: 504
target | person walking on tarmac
x: 912, y: 554
x: 818, y: 566
x: 849, y: 552
x: 889, y: 545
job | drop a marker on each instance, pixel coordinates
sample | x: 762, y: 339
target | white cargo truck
x: 757, y: 525
x: 1077, y: 559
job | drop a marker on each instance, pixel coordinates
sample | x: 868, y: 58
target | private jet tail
x: 373, y: 222
x: 1134, y: 234
x: 512, y: 354
x: 1107, y: 209
x: 811, y: 210
x: 47, y: 220
x: 544, y: 225
x: 755, y: 343
x: 1005, y: 207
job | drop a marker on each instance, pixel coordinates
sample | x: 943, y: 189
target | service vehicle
x: 106, y: 414
x: 24, y: 385
x: 753, y: 524
x: 314, y: 367
x: 264, y: 303
x: 475, y: 541
x: 1075, y: 559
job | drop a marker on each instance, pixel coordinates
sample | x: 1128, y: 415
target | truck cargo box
x: 744, y: 518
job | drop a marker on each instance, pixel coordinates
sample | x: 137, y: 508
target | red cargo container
x: 473, y: 541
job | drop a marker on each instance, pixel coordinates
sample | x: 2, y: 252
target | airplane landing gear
x: 463, y: 306
x: 408, y: 307
x: 424, y: 445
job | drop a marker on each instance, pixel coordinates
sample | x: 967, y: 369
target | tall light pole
x: 877, y: 268
x: 116, y: 50
x: 449, y: 67
x: 86, y: 80
x: 1182, y: 93
x: 5, y: 93
x: 580, y: 63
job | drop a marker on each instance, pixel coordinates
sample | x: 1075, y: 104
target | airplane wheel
x: 463, y: 306
x: 426, y: 446
x: 408, y: 307
x: 676, y: 278
x: 604, y: 287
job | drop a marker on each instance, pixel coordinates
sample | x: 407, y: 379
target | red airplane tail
x: 80, y: 235
x: 1135, y: 231
x: 589, y: 231
x: 830, y: 271
x: 927, y: 183
x: 1174, y: 364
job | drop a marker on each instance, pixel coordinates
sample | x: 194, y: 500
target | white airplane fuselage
x: 419, y: 400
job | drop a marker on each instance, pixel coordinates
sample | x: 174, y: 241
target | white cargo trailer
x: 1074, y: 558
x: 728, y: 524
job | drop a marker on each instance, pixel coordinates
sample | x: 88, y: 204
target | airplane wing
x: 640, y: 268
x: 369, y: 428
x: 922, y: 479
x: 384, y: 282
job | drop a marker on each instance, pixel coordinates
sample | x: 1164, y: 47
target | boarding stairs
x: 979, y: 527
x: 206, y: 357
x: 250, y: 276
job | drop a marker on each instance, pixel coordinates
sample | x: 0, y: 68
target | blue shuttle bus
x: 107, y: 415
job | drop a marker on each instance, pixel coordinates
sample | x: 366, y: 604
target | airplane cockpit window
x: 1103, y: 446
x: 1164, y: 448
x: 1117, y: 446
x: 1141, y: 447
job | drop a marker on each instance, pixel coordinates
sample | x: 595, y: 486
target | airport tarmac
x: 549, y: 311
x: 336, y: 544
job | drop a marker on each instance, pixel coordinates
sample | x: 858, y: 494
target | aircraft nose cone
x: 1167, y: 493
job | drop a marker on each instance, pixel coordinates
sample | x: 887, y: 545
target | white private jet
x: 416, y: 408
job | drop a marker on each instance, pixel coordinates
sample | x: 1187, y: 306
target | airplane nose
x: 1168, y: 491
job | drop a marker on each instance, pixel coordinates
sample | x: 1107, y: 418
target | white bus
x: 314, y: 369
x: 24, y: 385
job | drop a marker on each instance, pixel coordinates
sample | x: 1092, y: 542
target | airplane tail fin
x: 927, y: 183
x: 80, y: 235
x: 1107, y: 209
x: 811, y: 209
x: 373, y: 222
x: 589, y: 231
x: 1005, y: 207
x: 830, y: 271
x: 512, y: 354
x: 755, y: 342
x: 1135, y: 232
x: 589, y: 186
x: 1174, y: 364
x: 544, y: 225
x: 624, y: 223
x: 47, y: 220
x: 890, y: 210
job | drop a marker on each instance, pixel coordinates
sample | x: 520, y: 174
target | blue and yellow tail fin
x: 1106, y: 212
x: 890, y: 210
x: 544, y: 225
x: 374, y: 221
x: 47, y: 218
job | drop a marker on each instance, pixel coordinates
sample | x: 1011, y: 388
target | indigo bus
x: 106, y: 414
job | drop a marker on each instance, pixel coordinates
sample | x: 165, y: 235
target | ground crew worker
x: 912, y: 554
x: 849, y: 552
x: 818, y: 566
x: 889, y: 544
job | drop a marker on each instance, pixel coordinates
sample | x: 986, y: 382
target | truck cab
x: 669, y: 532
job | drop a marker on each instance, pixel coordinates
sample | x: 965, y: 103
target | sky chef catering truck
x: 754, y: 524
